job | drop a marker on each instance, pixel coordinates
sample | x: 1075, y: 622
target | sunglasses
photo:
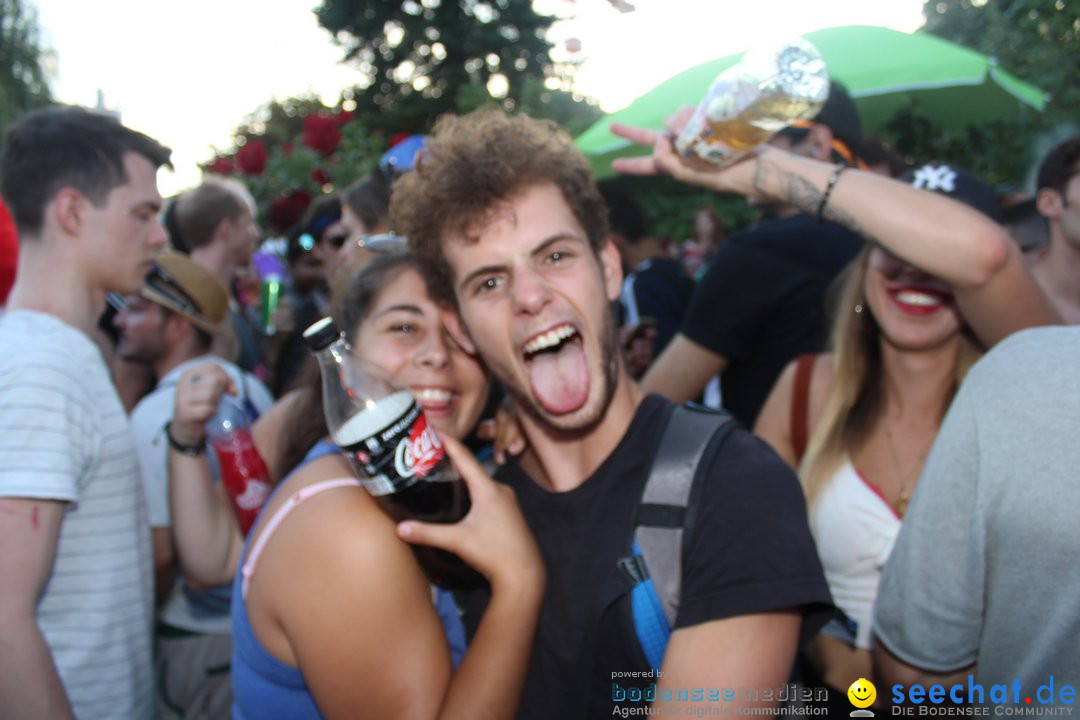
x: 307, y: 241
x: 382, y: 242
x: 160, y: 281
x: 377, y: 242
x: 116, y: 301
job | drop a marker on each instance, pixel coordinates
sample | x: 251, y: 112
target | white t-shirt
x: 64, y: 436
x: 201, y: 611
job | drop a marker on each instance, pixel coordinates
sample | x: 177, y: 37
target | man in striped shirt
x: 76, y: 588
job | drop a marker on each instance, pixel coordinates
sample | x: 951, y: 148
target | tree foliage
x: 421, y: 58
x: 1036, y: 40
x: 23, y: 81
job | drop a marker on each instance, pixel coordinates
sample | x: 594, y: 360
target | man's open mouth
x: 558, y: 372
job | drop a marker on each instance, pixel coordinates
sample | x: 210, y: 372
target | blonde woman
x: 938, y: 282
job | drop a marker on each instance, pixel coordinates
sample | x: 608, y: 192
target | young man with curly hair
x: 507, y: 220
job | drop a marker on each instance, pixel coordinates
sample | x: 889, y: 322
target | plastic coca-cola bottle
x: 242, y: 470
x: 396, y: 455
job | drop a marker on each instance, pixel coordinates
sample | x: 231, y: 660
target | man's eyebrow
x: 557, y: 237
x: 482, y: 270
x: 150, y: 204
x: 539, y: 249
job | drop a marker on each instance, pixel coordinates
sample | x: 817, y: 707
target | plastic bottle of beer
x: 767, y: 90
x: 243, y: 472
x: 395, y: 453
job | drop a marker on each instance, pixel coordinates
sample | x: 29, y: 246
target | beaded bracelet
x: 829, y: 185
x: 190, y: 450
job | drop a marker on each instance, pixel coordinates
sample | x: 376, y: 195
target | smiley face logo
x: 862, y: 693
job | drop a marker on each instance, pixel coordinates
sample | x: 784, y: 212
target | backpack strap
x: 666, y: 515
x: 800, y: 403
x: 665, y: 523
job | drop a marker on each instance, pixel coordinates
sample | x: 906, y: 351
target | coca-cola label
x: 419, y: 453
x: 397, y: 456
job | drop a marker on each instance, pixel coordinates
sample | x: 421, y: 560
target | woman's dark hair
x: 306, y: 424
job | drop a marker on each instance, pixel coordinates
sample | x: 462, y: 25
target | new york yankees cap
x: 957, y: 183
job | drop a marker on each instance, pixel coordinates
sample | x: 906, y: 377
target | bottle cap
x: 321, y: 334
x: 229, y: 418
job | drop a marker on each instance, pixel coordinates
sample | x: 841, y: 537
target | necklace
x: 905, y: 477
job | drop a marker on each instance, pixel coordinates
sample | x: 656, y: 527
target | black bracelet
x: 189, y: 450
x: 829, y: 185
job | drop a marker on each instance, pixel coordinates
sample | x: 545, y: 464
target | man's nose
x: 159, y: 236
x: 529, y: 292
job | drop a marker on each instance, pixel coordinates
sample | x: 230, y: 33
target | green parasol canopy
x: 884, y: 70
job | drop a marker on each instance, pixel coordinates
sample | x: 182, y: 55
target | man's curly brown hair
x: 473, y: 164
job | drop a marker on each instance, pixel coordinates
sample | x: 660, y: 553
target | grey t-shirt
x: 985, y: 569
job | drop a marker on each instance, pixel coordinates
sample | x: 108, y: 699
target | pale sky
x: 189, y: 73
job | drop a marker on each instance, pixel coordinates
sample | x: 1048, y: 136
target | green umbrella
x: 884, y: 70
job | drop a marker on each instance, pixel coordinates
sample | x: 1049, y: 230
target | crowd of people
x: 832, y: 447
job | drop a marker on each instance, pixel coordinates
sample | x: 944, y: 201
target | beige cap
x: 182, y: 285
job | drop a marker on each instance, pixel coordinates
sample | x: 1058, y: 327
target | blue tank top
x: 265, y: 687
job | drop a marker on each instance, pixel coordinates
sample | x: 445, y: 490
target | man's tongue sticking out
x: 559, y: 377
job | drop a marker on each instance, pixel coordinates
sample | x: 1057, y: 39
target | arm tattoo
x: 804, y: 195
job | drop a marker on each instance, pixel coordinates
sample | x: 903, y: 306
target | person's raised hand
x: 198, y: 393
x: 665, y: 159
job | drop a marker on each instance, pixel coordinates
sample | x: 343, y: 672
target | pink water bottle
x: 243, y: 472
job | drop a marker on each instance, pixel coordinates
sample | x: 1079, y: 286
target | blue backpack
x: 651, y: 570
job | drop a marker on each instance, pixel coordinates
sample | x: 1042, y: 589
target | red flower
x: 321, y: 134
x: 222, y: 165
x: 320, y: 177
x: 251, y: 157
x: 285, y: 211
x: 343, y: 117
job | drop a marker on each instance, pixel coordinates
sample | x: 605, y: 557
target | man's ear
x: 1049, y: 203
x: 67, y: 207
x: 819, y: 143
x: 225, y: 229
x: 451, y: 320
x: 611, y: 265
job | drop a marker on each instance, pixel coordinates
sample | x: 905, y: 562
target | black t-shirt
x: 662, y: 291
x: 762, y: 303
x: 751, y: 552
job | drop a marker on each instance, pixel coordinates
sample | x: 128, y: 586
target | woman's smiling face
x: 914, y: 310
x: 403, y: 335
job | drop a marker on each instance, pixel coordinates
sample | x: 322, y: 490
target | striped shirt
x: 64, y: 436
